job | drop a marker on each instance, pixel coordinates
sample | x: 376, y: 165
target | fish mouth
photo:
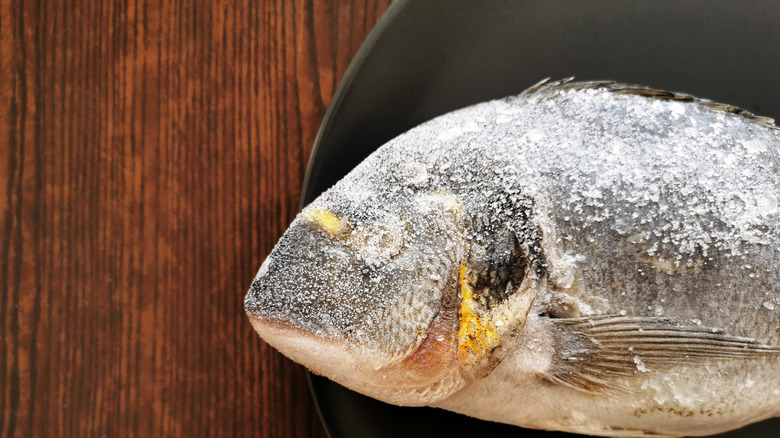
x: 294, y: 324
x: 322, y: 355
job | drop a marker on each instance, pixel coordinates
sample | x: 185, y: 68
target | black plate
x: 427, y: 57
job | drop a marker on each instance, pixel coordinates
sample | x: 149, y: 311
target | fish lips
x: 321, y: 355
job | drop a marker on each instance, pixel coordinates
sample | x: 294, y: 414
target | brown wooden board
x: 151, y: 154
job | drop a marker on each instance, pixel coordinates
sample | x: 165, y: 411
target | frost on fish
x: 607, y: 252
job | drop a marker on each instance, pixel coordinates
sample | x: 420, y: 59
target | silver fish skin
x: 588, y: 257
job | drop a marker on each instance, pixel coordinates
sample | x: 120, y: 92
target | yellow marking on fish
x: 477, y: 335
x: 324, y: 218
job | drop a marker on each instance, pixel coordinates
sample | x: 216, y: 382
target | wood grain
x: 151, y: 154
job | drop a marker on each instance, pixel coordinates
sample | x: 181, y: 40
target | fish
x: 590, y: 257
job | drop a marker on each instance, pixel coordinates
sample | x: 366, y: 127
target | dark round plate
x: 427, y: 57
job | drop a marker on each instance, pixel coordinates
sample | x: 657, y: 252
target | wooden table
x: 151, y: 154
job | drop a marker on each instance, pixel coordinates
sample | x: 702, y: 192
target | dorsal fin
x: 553, y: 87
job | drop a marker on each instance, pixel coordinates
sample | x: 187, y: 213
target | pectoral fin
x: 591, y: 352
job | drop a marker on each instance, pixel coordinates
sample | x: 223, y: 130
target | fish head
x: 365, y: 292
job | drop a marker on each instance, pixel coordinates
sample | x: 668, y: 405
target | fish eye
x: 379, y: 241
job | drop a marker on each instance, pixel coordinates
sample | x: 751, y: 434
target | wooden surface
x: 151, y: 154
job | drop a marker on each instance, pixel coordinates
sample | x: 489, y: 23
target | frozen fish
x: 589, y: 257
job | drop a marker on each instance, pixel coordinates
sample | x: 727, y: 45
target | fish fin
x: 594, y: 353
x: 553, y: 87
